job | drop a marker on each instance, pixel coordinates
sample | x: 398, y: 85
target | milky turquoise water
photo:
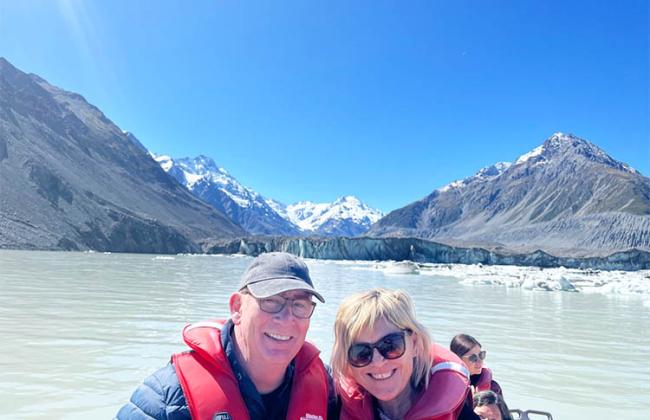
x: 79, y: 332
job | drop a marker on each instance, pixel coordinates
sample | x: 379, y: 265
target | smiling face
x: 266, y: 339
x: 385, y: 379
x: 473, y: 367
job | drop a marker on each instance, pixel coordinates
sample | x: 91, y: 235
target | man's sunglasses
x: 391, y: 346
x: 476, y: 357
x: 300, y: 308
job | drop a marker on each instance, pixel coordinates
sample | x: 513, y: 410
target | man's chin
x: 279, y: 352
x: 275, y: 357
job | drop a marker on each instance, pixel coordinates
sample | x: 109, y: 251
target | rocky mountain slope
x: 71, y: 179
x: 566, y: 197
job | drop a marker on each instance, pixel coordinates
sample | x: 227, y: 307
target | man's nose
x: 285, y: 312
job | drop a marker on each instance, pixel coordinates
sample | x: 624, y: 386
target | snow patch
x: 311, y: 216
x: 456, y: 184
x: 192, y: 178
x: 484, y: 174
x: 164, y: 161
x: 526, y: 157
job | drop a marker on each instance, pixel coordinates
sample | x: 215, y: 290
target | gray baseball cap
x: 273, y: 273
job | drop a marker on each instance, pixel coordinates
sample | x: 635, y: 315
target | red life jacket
x: 485, y: 380
x: 212, y: 391
x: 442, y: 400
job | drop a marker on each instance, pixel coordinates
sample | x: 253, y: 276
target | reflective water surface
x: 80, y: 331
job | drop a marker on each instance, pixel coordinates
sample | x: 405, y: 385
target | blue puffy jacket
x: 160, y: 397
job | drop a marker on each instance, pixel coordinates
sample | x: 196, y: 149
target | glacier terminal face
x: 423, y: 251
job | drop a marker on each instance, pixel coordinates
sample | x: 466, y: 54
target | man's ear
x: 235, y: 304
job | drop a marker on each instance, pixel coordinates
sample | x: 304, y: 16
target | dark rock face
x: 70, y: 179
x: 567, y: 197
x: 418, y: 250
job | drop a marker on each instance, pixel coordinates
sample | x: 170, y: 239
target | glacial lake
x: 79, y: 331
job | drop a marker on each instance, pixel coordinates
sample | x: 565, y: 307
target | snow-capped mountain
x: 216, y: 186
x: 566, y: 196
x: 347, y: 216
x: 542, y: 155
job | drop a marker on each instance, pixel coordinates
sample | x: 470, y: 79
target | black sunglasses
x: 300, y: 308
x: 475, y: 357
x: 391, y: 346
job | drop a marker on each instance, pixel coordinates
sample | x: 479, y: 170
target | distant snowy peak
x: 558, y: 145
x: 564, y: 145
x: 217, y: 187
x: 201, y: 170
x: 311, y: 216
x: 307, y: 215
x: 552, y: 146
x: 350, y: 207
x: 347, y: 216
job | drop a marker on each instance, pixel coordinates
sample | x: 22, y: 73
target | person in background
x: 490, y: 406
x: 469, y: 350
x: 255, y: 365
x: 384, y: 364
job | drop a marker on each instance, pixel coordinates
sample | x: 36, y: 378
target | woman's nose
x: 377, y: 358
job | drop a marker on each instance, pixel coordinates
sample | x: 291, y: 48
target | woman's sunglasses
x: 476, y: 357
x: 391, y: 346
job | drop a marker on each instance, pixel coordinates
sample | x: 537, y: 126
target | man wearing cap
x: 256, y: 365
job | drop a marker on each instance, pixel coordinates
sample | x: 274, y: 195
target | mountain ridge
x: 346, y: 216
x: 565, y: 196
x: 73, y: 180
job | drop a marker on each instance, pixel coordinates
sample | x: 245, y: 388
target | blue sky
x: 387, y: 101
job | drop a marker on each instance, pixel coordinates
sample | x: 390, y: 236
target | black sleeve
x: 467, y: 413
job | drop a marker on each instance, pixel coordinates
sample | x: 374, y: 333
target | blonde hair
x: 362, y: 310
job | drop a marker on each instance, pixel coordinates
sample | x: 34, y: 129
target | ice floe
x: 527, y: 278
x: 401, y: 267
x: 547, y: 279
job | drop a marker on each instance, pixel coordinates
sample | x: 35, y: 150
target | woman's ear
x: 235, y: 304
x: 415, y: 339
x: 418, y: 345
